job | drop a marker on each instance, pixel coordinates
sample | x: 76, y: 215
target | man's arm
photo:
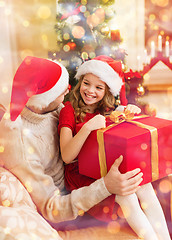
x: 46, y: 195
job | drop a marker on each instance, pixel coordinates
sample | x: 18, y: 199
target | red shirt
x: 67, y: 118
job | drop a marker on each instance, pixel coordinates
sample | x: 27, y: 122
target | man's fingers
x: 131, y: 174
x: 135, y: 183
x: 132, y: 188
x: 131, y: 191
x: 135, y: 179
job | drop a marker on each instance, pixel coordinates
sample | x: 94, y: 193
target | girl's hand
x: 133, y: 109
x: 97, y: 122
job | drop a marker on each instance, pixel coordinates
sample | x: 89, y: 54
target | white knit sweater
x: 31, y: 152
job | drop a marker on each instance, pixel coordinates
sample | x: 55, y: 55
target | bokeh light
x: 26, y: 52
x: 26, y: 23
x: 144, y: 146
x: 92, y: 55
x: 8, y: 11
x: 84, y: 55
x: 113, y: 227
x: 146, y: 77
x: 66, y: 36
x: 31, y: 150
x: 28, y: 186
x: 78, y: 32
x: 80, y: 212
x: 6, y: 116
x: 165, y: 186
x: 4, y: 89
x: 106, y: 209
x: 120, y: 213
x: 44, y: 12
x: 152, y: 17
x: 1, y: 149
x: 114, y: 217
x: 144, y: 205
x: 96, y: 18
x: 164, y: 15
x: 2, y: 3
x: 143, y: 164
x: 66, y: 48
x: 55, y: 212
x: 160, y: 3
x: 26, y: 131
x: 1, y: 59
x: 83, y: 9
x: 83, y: 2
x: 6, y: 203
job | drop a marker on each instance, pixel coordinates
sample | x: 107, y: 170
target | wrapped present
x: 145, y: 143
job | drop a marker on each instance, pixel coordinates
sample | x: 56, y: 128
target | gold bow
x: 118, y: 117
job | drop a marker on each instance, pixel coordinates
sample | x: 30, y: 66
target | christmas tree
x: 85, y: 29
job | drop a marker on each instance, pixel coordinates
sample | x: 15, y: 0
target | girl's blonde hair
x: 104, y: 107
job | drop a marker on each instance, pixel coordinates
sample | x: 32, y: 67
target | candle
x: 167, y: 49
x: 139, y: 65
x: 145, y: 56
x: 152, y: 49
x: 160, y: 43
x: 170, y: 59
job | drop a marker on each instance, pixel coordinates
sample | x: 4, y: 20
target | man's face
x: 54, y: 105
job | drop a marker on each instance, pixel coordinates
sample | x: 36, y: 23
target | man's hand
x: 122, y: 184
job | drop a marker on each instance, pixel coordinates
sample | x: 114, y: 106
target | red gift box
x: 136, y: 145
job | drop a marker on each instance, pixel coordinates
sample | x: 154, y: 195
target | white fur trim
x: 44, y: 99
x: 104, y: 72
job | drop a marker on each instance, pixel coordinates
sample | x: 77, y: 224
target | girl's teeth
x: 89, y: 96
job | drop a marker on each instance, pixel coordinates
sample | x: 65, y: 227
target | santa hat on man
x: 109, y: 71
x: 37, y: 82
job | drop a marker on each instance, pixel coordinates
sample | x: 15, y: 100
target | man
x: 30, y: 151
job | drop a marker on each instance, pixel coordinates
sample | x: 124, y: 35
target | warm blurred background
x: 138, y: 33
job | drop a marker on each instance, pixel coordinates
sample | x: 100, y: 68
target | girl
x: 91, y: 100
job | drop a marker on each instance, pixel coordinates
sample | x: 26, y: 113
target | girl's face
x: 92, y: 89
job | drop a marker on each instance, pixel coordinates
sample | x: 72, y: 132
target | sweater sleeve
x: 40, y: 186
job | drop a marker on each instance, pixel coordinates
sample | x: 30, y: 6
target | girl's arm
x: 71, y: 145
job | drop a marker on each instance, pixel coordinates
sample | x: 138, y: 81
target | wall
x: 130, y: 20
x: 27, y: 28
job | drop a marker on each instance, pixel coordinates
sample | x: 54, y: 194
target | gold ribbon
x: 118, y: 117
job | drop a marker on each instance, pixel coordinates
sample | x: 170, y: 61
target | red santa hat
x: 109, y: 71
x: 37, y: 82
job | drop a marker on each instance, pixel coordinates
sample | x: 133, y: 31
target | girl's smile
x: 92, y: 89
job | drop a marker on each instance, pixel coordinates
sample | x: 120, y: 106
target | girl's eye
x: 86, y: 83
x: 99, y: 88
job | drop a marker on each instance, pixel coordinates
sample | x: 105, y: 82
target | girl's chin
x: 88, y: 102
